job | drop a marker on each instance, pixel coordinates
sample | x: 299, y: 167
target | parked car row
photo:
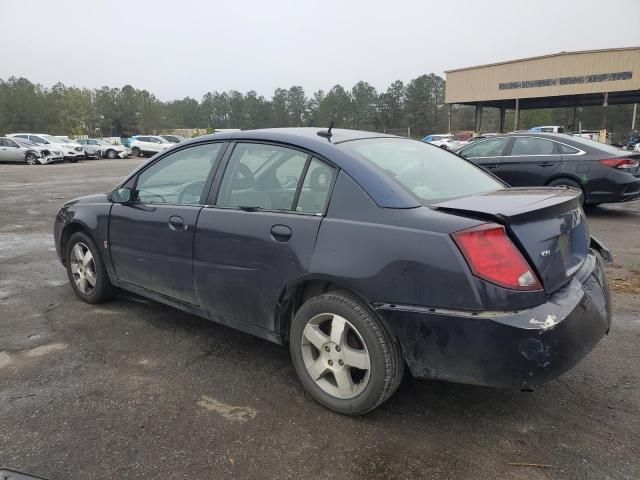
x: 42, y: 148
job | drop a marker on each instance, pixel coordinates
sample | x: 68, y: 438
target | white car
x: 148, y: 145
x: 70, y: 150
x: 104, y: 149
x: 444, y: 140
x: 548, y: 129
x: 23, y: 151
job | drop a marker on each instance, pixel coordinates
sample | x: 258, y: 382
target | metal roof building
x: 565, y: 79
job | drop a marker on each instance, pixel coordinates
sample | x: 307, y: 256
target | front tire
x: 135, y: 151
x: 73, y: 159
x: 86, y: 271
x: 343, y: 354
x: 111, y: 154
x: 31, y: 159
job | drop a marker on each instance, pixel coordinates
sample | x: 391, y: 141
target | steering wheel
x: 192, y: 188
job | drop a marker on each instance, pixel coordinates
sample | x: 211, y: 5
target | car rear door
x: 151, y: 238
x: 259, y: 230
x: 487, y: 153
x: 530, y: 161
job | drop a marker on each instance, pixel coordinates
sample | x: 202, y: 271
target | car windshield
x: 23, y: 142
x: 429, y: 172
x: 52, y: 139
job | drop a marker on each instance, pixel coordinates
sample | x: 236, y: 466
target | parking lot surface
x: 135, y: 389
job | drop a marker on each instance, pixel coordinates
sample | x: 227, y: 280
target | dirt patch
x: 630, y: 284
x: 230, y: 412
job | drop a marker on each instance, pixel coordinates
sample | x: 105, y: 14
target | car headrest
x: 320, y: 179
x: 243, y: 178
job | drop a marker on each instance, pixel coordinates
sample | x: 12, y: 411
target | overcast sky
x: 186, y: 48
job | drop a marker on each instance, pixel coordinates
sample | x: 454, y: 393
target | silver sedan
x: 24, y: 151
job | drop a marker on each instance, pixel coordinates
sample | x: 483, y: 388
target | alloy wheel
x: 31, y: 159
x: 83, y: 268
x: 335, y: 356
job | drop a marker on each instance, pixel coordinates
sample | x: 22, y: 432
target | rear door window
x: 262, y: 176
x: 528, y: 146
x: 315, y: 188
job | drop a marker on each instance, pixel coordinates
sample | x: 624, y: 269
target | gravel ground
x: 135, y: 389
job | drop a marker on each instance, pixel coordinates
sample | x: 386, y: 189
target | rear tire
x: 567, y: 182
x: 343, y: 354
x: 86, y: 271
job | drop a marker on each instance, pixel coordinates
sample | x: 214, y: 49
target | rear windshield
x: 429, y: 172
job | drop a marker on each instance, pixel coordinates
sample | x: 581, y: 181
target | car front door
x: 530, y: 161
x: 487, y: 153
x: 151, y: 237
x: 259, y: 231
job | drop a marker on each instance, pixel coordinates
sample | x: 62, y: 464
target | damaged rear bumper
x: 514, y: 349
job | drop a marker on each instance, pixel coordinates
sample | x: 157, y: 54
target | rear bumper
x: 624, y: 191
x: 516, y: 349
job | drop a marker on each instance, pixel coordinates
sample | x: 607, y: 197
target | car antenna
x: 328, y: 133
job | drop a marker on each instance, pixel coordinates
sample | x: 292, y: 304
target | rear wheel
x: 567, y: 182
x: 343, y: 354
x: 86, y: 271
x: 31, y: 159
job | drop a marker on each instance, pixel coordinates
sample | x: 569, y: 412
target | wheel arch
x: 73, y: 227
x: 298, y: 291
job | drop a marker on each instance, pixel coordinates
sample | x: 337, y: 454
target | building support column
x: 574, y: 116
x: 633, y: 119
x: 603, y: 128
x: 478, y: 123
x: 450, y: 114
x: 605, y: 104
x: 516, y: 117
x: 502, y: 115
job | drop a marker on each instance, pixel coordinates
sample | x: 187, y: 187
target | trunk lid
x: 547, y: 224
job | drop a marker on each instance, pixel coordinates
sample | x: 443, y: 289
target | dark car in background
x: 601, y: 172
x: 361, y: 251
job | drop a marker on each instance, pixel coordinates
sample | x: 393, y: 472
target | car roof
x: 382, y: 189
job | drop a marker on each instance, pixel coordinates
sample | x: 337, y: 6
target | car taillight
x: 620, y: 163
x: 492, y: 256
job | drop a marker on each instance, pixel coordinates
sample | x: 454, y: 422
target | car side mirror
x: 122, y: 195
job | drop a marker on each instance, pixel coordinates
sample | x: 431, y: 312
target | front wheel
x: 135, y: 151
x: 73, y: 159
x: 31, y: 159
x: 111, y: 154
x: 343, y: 354
x: 86, y: 271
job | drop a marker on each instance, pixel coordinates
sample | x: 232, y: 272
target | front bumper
x: 516, y: 349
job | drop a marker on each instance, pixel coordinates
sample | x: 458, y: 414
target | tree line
x: 417, y: 107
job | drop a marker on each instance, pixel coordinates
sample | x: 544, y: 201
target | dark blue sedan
x: 363, y: 252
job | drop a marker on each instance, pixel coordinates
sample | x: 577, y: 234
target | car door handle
x: 176, y: 223
x: 281, y: 233
x: 546, y: 164
x: 491, y: 166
